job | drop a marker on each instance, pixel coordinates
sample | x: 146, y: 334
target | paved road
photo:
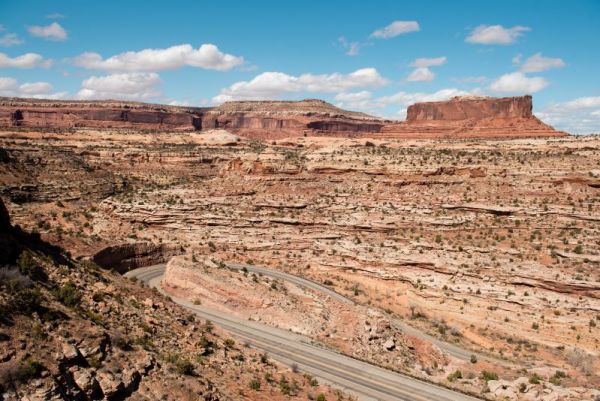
x: 450, y: 349
x: 367, y: 381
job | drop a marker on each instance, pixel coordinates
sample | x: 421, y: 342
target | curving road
x: 367, y: 381
x: 451, y: 349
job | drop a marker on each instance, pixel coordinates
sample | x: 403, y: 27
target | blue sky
x: 375, y: 56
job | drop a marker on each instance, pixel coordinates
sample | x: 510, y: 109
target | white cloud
x: 406, y: 99
x: 421, y: 74
x: 50, y: 32
x: 359, y: 101
x: 270, y: 85
x: 588, y: 102
x: 517, y: 82
x: 27, y: 60
x: 578, y: 116
x: 32, y: 88
x: 129, y: 86
x: 516, y: 60
x: 429, y: 62
x: 10, y: 39
x: 496, y: 34
x: 396, y: 28
x: 10, y: 87
x: 207, y: 56
x: 7, y: 84
x: 538, y: 63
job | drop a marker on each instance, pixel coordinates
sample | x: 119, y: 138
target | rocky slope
x: 72, y: 331
x: 268, y: 120
x: 488, y: 244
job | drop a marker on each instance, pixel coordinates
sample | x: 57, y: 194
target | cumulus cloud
x: 364, y: 100
x: 577, y: 116
x: 10, y: 39
x: 421, y: 74
x: 128, y: 86
x: 27, y: 60
x: 538, y: 63
x: 406, y: 99
x: 396, y: 28
x: 359, y: 101
x: 429, y: 62
x: 269, y: 85
x: 496, y: 34
x: 49, y: 32
x: 517, y: 82
x: 207, y: 56
x: 10, y: 87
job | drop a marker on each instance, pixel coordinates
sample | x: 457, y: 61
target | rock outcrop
x: 131, y: 256
x: 460, y: 117
x: 464, y: 108
x: 471, y: 117
x: 260, y: 119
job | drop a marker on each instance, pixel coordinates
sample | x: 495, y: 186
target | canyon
x: 467, y: 233
x: 460, y: 117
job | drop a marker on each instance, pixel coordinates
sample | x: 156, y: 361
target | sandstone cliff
x: 471, y: 117
x: 460, y: 117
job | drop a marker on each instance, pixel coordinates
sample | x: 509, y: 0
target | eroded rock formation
x: 471, y: 117
x: 460, y: 117
x: 131, y: 256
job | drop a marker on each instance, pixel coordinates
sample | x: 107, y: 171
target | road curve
x: 446, y: 347
x: 367, y: 381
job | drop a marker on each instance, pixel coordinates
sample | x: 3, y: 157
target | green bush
x: 68, y: 295
x: 29, y: 267
x: 254, y: 384
x: 457, y: 374
x: 321, y: 397
x: 184, y: 367
x: 487, y: 376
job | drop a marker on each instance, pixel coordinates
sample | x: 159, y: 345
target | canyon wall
x: 459, y: 117
x: 125, y: 257
x: 464, y: 108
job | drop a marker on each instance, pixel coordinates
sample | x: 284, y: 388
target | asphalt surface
x: 446, y: 347
x: 367, y: 381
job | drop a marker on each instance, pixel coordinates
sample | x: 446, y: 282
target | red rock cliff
x: 471, y: 117
x: 464, y: 108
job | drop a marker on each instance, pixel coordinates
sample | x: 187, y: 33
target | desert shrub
x: 473, y: 358
x: 68, y: 295
x: 457, y: 374
x: 487, y: 376
x: 581, y: 360
x: 284, y: 386
x: 254, y: 384
x: 13, y: 279
x: 184, y: 367
x: 29, y: 267
x: 13, y: 373
x: 535, y: 379
x: 181, y: 365
x: 321, y: 397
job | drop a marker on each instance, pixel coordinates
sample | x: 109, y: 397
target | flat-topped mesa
x: 471, y: 117
x: 472, y: 107
x: 459, y: 117
x: 258, y: 119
